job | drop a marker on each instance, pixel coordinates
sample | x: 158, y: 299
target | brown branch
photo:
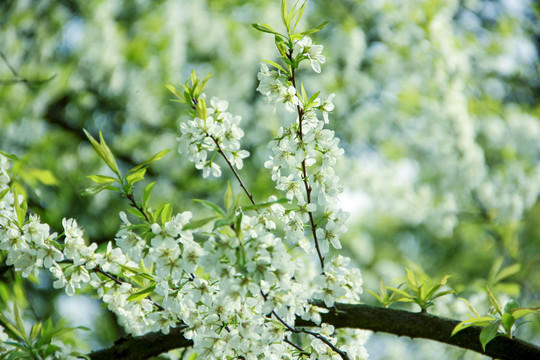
x: 250, y: 196
x: 397, y: 322
x: 425, y: 326
x: 143, y: 347
x: 133, y: 203
x: 304, y: 170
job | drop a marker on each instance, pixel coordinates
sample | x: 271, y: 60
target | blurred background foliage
x: 437, y: 106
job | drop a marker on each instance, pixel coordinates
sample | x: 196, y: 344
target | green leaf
x: 497, y: 264
x: 19, y: 323
x: 291, y: 63
x: 61, y: 329
x: 11, y: 327
x: 444, y: 280
x: 494, y: 302
x: 298, y: 15
x: 109, y: 157
x: 46, y: 333
x: 401, y: 292
x: 101, y: 179
x: 34, y: 333
x: 142, y: 294
x: 517, y: 313
x: 511, y: 306
x: 20, y: 208
x: 430, y: 294
x: 478, y: 321
x: 151, y: 159
x: 3, y: 193
x: 303, y: 95
x: 411, y: 277
x: 313, y: 97
x: 238, y: 225
x: 176, y: 93
x: 442, y: 293
x: 376, y: 296
x: 210, y: 205
x: 266, y: 204
x: 94, y: 189
x: 19, y: 354
x: 9, y: 156
x: 148, y: 193
x: 198, y: 223
x: 138, y: 272
x: 203, y: 84
x: 103, y: 151
x: 284, y: 13
x: 489, y: 333
x: 507, y: 272
x: 470, y: 306
x: 276, y: 65
x: 290, y: 17
x: 228, y: 199
x: 264, y: 28
x: 45, y: 177
x: 508, y: 321
x: 222, y: 222
x: 135, y: 212
x: 166, y: 213
x: 279, y: 41
x: 315, y: 29
x: 136, y: 176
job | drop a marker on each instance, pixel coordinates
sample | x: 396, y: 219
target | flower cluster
x: 215, y: 131
x: 235, y: 289
x: 230, y: 283
x: 304, y: 154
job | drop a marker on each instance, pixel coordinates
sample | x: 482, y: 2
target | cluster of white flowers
x: 222, y: 292
x: 304, y: 155
x: 219, y: 131
x: 312, y: 52
x: 435, y: 85
x: 238, y: 290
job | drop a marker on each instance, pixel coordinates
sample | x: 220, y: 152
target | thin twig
x: 220, y: 151
x: 11, y: 68
x: 133, y: 203
x: 304, y: 172
x: 19, y: 78
x: 341, y: 353
x: 302, y: 351
x: 118, y: 281
x: 233, y: 169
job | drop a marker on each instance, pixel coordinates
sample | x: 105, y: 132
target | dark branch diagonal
x: 397, y: 322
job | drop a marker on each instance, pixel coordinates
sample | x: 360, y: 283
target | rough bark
x: 397, y: 322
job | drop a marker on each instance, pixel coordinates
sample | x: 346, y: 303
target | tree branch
x: 397, y: 322
x: 143, y: 347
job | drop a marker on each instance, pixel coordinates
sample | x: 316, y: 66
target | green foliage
x: 125, y: 184
x: 398, y: 71
x: 285, y: 42
x: 419, y: 289
x: 192, y: 94
x: 37, y: 344
x: 499, y: 321
x: 384, y: 297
